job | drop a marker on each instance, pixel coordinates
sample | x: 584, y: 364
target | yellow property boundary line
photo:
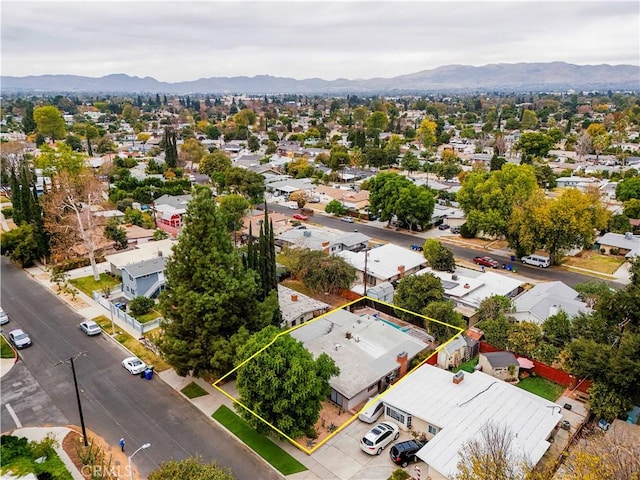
x: 309, y: 451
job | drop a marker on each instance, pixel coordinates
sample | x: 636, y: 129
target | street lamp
x: 146, y: 445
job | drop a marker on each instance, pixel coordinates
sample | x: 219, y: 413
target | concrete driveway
x: 341, y: 457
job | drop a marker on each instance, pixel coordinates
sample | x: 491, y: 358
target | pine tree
x: 210, y: 301
x: 16, y: 199
x: 170, y: 147
x: 28, y: 123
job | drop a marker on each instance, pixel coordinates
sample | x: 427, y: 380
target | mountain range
x: 509, y: 77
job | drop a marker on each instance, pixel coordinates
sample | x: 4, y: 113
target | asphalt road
x: 406, y: 239
x: 115, y: 403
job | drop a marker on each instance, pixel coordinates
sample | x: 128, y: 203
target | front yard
x: 595, y: 261
x: 263, y: 446
x: 88, y: 285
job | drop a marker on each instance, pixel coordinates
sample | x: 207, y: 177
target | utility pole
x: 75, y: 382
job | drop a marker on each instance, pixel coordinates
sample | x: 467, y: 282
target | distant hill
x: 517, y: 77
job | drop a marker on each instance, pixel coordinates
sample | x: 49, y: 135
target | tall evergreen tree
x: 16, y: 198
x: 170, y: 147
x: 28, y: 123
x: 210, y: 301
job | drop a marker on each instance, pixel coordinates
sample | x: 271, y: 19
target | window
x: 395, y: 415
x: 432, y: 430
x: 372, y: 387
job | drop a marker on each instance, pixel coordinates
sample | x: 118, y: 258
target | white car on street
x: 89, y: 327
x: 4, y: 318
x: 134, y: 365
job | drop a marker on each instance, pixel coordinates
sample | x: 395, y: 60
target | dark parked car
x: 404, y: 453
x: 486, y: 262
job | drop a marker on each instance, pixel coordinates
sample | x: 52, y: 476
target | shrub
x: 466, y: 231
x: 614, y: 251
x: 7, y: 212
x: 141, y: 305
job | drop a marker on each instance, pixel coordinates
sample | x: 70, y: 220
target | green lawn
x: 147, y: 317
x: 194, y: 390
x: 88, y: 285
x: 542, y: 387
x: 272, y: 453
x: 5, y: 349
x: 467, y: 366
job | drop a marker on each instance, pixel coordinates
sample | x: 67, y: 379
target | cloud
x: 174, y: 41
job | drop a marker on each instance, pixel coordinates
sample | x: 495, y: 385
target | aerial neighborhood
x: 371, y: 286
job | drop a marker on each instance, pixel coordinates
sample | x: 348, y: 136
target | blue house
x: 145, y: 278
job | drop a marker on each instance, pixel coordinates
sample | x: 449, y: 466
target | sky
x: 182, y: 40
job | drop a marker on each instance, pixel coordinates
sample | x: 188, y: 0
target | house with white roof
x: 627, y: 244
x: 168, y: 210
x: 143, y: 251
x: 452, y: 413
x: 328, y: 240
x: 547, y: 299
x: 370, y: 352
x: 467, y: 288
x: 297, y: 308
x: 386, y: 263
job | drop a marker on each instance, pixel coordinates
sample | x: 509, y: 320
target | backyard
x: 542, y: 387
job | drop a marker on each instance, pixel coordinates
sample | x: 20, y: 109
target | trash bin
x: 509, y: 267
x: 143, y: 374
x: 148, y: 373
x: 513, y: 258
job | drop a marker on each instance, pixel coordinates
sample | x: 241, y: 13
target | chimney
x: 402, y: 359
x: 458, y: 377
x: 325, y: 244
x: 401, y: 271
x: 294, y: 297
x: 348, y: 335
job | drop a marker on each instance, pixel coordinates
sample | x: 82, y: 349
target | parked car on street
x: 536, y: 261
x: 134, y: 365
x: 486, y: 262
x: 379, y: 437
x: 4, y: 318
x: 19, y: 339
x: 455, y: 229
x: 89, y: 327
x: 348, y: 219
x: 404, y: 453
x: 299, y: 216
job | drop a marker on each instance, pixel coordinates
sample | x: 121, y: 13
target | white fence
x: 115, y: 312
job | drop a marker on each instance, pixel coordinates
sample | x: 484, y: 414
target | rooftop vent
x: 458, y: 377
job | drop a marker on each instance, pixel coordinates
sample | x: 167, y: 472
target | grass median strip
x: 193, y: 390
x: 263, y: 446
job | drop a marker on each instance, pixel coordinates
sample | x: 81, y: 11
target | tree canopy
x: 191, y: 468
x: 210, y: 300
x: 49, y: 122
x: 284, y: 384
